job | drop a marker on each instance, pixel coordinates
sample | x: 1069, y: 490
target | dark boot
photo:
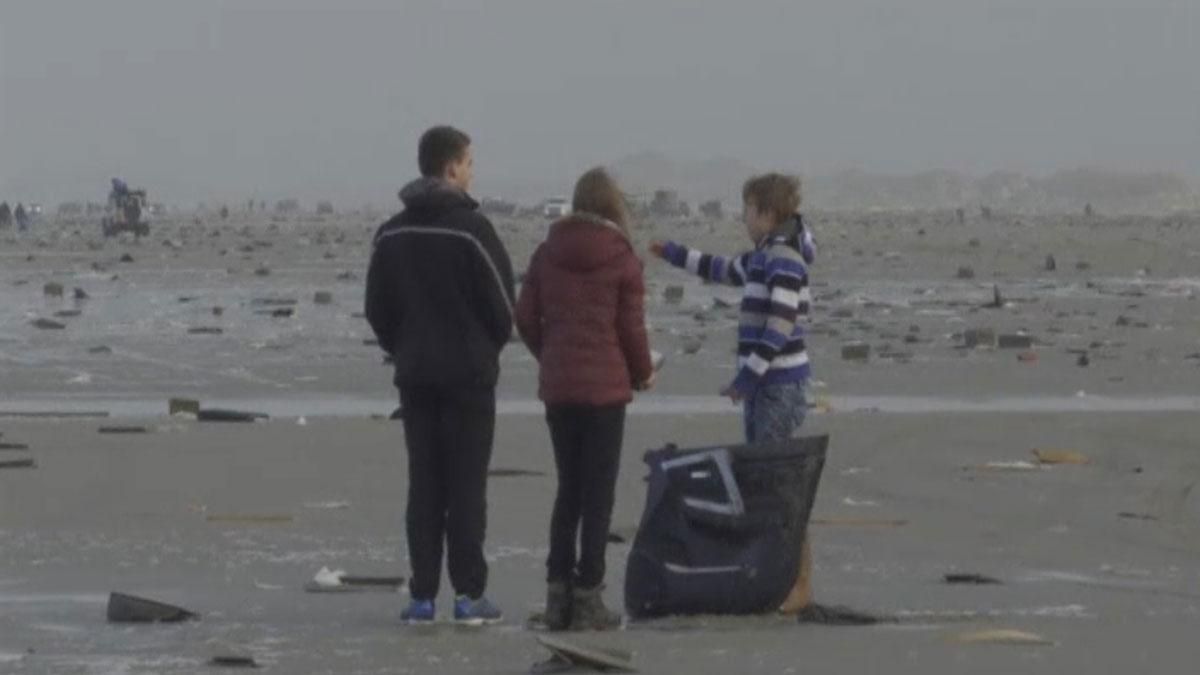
x: 558, y: 606
x: 589, y: 613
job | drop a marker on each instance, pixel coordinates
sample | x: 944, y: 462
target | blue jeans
x: 775, y: 412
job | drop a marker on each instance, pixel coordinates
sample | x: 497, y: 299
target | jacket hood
x: 434, y: 193
x: 583, y: 242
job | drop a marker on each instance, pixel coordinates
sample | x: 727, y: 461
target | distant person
x: 581, y: 314
x: 773, y: 367
x: 5, y: 215
x: 22, y: 218
x: 440, y: 300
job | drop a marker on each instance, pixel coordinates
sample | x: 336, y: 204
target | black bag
x: 722, y: 528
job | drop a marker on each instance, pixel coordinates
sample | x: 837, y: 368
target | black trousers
x: 587, y: 453
x: 449, y: 433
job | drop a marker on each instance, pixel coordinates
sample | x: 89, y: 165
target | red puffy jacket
x: 581, y: 314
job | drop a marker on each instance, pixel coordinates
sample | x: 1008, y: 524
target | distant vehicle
x: 124, y: 211
x: 556, y: 207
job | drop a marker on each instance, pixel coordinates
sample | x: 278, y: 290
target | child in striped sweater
x: 773, y: 367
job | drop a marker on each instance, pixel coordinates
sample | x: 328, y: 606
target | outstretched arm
x: 718, y: 269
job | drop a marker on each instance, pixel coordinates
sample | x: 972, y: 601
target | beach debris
x: 974, y: 242
x: 218, y: 311
x: 965, y: 272
x: 13, y: 447
x: 1083, y: 361
x: 969, y: 578
x: 274, y: 302
x: 233, y: 661
x: 123, y: 430
x: 67, y: 313
x: 81, y: 294
x: 337, y: 581
x: 47, y: 324
x: 1014, y: 341
x: 856, y: 351
x: 250, y: 518
x: 262, y: 272
x: 26, y: 463
x: 1131, y: 515
x: 1002, y: 636
x: 1027, y: 357
x: 504, y: 472
x: 183, y: 406
x: 1015, y: 466
x: 1060, y: 457
x: 1083, y: 266
x: 347, y: 276
x: 222, y: 415
x: 205, y: 330
x: 53, y: 289
x: 126, y: 258
x: 123, y: 608
x: 997, y: 299
x: 323, y: 298
x: 835, y: 615
x: 975, y: 338
x: 692, y: 346
x: 673, y: 295
x: 569, y: 656
x: 1051, y: 264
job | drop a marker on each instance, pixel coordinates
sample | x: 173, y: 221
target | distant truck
x: 125, y: 211
x: 556, y: 207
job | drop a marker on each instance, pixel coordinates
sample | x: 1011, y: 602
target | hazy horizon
x: 224, y: 101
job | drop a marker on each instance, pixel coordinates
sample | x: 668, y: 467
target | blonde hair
x: 773, y: 193
x: 597, y: 193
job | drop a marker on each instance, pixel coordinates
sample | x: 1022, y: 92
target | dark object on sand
x: 81, y: 294
x: 189, y: 406
x: 124, y: 608
x: 102, y: 349
x: 965, y: 272
x: 13, y: 446
x: 572, y: 657
x: 280, y: 313
x: 722, y: 528
x: 979, y: 337
x: 1083, y: 361
x: 836, y: 615
x: 503, y: 472
x: 123, y: 430
x: 230, y: 661
x: 1051, y: 263
x: 357, y: 584
x: 67, y: 313
x: 47, y: 324
x: 220, y: 415
x: 53, y: 290
x: 1129, y: 515
x: 997, y: 299
x: 323, y: 298
x: 18, y: 464
x: 969, y: 578
x: 1015, y: 341
x: 856, y: 351
x: 205, y: 330
x: 673, y: 295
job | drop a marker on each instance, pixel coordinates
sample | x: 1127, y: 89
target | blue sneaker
x: 418, y: 611
x: 476, y: 612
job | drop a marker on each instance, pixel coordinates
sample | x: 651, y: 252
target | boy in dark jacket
x: 440, y: 300
x: 581, y: 314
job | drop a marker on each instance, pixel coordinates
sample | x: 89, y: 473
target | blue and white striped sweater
x: 775, y: 303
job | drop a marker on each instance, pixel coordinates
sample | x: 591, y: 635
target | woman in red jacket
x: 581, y: 314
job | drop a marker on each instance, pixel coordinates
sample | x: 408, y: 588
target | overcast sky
x: 203, y: 100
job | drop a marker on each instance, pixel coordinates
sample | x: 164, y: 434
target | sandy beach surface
x: 930, y: 467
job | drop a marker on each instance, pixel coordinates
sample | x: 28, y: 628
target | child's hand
x: 732, y: 394
x: 658, y: 248
x: 648, y: 384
